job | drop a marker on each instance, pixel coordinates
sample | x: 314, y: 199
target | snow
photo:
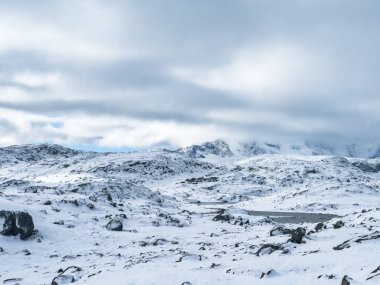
x: 167, y: 238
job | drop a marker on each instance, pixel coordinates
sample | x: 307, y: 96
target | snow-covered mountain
x: 217, y: 148
x: 189, y: 216
x: 222, y: 149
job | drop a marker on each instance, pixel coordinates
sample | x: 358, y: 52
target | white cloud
x: 273, y: 69
x: 34, y: 79
x: 130, y: 74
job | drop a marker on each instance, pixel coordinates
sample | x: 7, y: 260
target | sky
x: 142, y: 73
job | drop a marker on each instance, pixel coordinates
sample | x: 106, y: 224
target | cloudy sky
x: 139, y: 73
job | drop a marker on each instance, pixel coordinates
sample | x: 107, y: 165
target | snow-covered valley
x: 183, y: 217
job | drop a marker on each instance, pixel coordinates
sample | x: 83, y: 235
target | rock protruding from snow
x: 15, y: 223
x: 115, y: 225
x: 346, y: 280
x: 297, y: 235
x: 63, y: 279
x: 218, y: 148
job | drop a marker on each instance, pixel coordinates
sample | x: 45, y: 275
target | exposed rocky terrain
x: 188, y: 216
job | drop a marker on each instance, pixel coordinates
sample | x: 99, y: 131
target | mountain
x: 220, y: 148
x: 205, y: 214
x: 217, y: 148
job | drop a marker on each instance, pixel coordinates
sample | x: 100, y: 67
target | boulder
x: 297, y: 235
x: 223, y: 216
x: 268, y: 249
x: 15, y: 223
x: 115, y: 225
x: 63, y: 279
x: 346, y: 280
x: 25, y: 225
x: 319, y: 227
x: 280, y: 230
x: 338, y: 225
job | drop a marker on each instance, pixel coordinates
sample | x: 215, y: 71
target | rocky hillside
x: 206, y: 214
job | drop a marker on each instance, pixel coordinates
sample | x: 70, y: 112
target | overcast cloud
x: 142, y: 73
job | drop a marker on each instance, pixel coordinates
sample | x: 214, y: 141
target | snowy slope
x: 168, y: 236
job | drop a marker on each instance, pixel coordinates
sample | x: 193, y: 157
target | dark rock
x: 25, y: 225
x: 346, y: 280
x: 93, y: 198
x: 374, y: 273
x: 338, y: 225
x: 263, y: 274
x: 63, y: 279
x: 115, y: 225
x: 90, y: 206
x: 319, y: 227
x: 280, y: 231
x: 24, y: 252
x: 17, y: 223
x: 367, y: 166
x: 47, y: 203
x: 297, y: 235
x: 223, y: 216
x: 9, y: 224
x: 342, y: 245
x: 12, y: 280
x: 268, y: 249
x: 241, y: 222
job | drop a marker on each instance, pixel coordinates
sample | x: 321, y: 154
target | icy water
x: 280, y: 217
x: 212, y: 203
x: 294, y: 217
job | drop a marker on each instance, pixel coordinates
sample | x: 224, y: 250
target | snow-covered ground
x: 169, y: 238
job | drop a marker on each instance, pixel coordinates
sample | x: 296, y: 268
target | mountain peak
x: 217, y: 148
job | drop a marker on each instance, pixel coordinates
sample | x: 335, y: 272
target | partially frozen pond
x: 212, y: 203
x: 280, y: 217
x: 294, y: 217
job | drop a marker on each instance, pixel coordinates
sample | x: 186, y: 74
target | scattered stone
x: 346, y: 244
x: 24, y: 252
x: 280, y: 230
x: 374, y: 273
x: 241, y: 222
x: 268, y: 249
x: 12, y: 280
x: 90, y: 206
x: 319, y: 227
x: 223, y: 216
x: 266, y: 273
x: 63, y: 279
x: 195, y: 257
x: 47, y: 203
x: 342, y: 245
x: 297, y: 235
x: 115, y: 225
x: 93, y: 198
x: 338, y: 225
x: 17, y: 223
x: 346, y: 280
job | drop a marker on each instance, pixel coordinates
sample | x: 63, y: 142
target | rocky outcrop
x: 346, y: 280
x: 17, y: 223
x: 217, y: 148
x: 115, y: 225
x: 63, y: 279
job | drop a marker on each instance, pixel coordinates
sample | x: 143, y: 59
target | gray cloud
x: 199, y: 69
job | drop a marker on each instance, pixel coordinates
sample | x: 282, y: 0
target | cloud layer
x: 142, y: 73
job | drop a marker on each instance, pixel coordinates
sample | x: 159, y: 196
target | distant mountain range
x: 222, y: 149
